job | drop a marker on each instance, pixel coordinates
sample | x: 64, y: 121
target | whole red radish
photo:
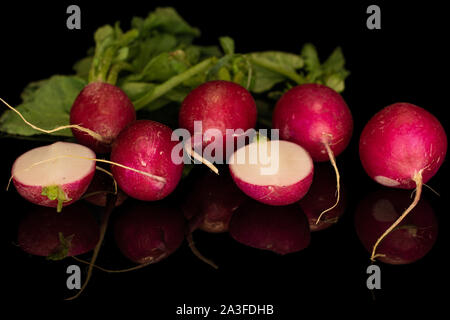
x: 409, y: 241
x: 400, y: 141
x: 211, y: 201
x: 317, y: 118
x: 314, y: 116
x: 149, y: 232
x: 320, y: 197
x: 219, y: 105
x: 402, y: 146
x: 272, y: 172
x: 282, y: 230
x: 103, y: 108
x: 44, y: 232
x: 146, y: 145
x: 55, y: 175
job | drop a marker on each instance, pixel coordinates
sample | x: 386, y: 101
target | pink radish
x: 219, y: 105
x: 55, y: 175
x: 104, y: 109
x: 148, y: 232
x: 402, y: 146
x: 317, y: 118
x: 44, y: 232
x: 280, y: 175
x: 411, y: 240
x: 146, y: 145
x: 281, y: 230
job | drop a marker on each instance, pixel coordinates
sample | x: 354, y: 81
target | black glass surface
x: 405, y: 61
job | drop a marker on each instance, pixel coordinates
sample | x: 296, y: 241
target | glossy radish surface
x: 313, y: 115
x: 103, y: 108
x: 59, y: 171
x: 219, y: 105
x: 279, y: 174
x: 147, y: 146
x: 398, y: 142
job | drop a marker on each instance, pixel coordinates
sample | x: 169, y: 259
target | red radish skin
x: 211, y: 201
x: 146, y: 145
x: 313, y: 115
x: 30, y: 181
x: 317, y: 118
x: 149, y: 232
x: 281, y: 230
x: 398, y: 142
x: 320, y: 197
x: 402, y: 146
x: 104, y: 109
x: 409, y: 241
x: 288, y: 185
x: 218, y: 105
x: 38, y: 232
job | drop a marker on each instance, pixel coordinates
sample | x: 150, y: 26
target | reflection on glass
x: 281, y: 229
x: 211, y: 200
x: 100, y: 186
x: 407, y: 243
x: 148, y: 231
x: 321, y: 196
x: 71, y: 232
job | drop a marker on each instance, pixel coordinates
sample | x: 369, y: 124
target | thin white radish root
x: 140, y: 266
x: 158, y: 178
x: 109, y: 174
x: 197, y: 253
x: 196, y: 156
x: 418, y: 180
x: 338, y: 182
x: 93, y: 134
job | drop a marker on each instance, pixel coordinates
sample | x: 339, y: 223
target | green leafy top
x: 157, y: 64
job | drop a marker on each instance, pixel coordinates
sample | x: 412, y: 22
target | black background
x: 404, y: 61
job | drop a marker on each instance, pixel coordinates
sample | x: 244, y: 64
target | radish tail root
x: 198, y: 157
x: 338, y: 182
x: 418, y: 180
x: 140, y: 266
x: 109, y: 174
x: 93, y: 134
x: 197, y: 253
x: 111, y: 201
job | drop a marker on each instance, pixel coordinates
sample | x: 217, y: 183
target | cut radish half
x: 55, y: 175
x: 272, y: 172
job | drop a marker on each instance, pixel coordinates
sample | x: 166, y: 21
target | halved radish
x: 55, y: 175
x: 273, y: 172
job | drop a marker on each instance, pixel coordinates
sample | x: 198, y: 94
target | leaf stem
x: 165, y: 87
x: 275, y: 68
